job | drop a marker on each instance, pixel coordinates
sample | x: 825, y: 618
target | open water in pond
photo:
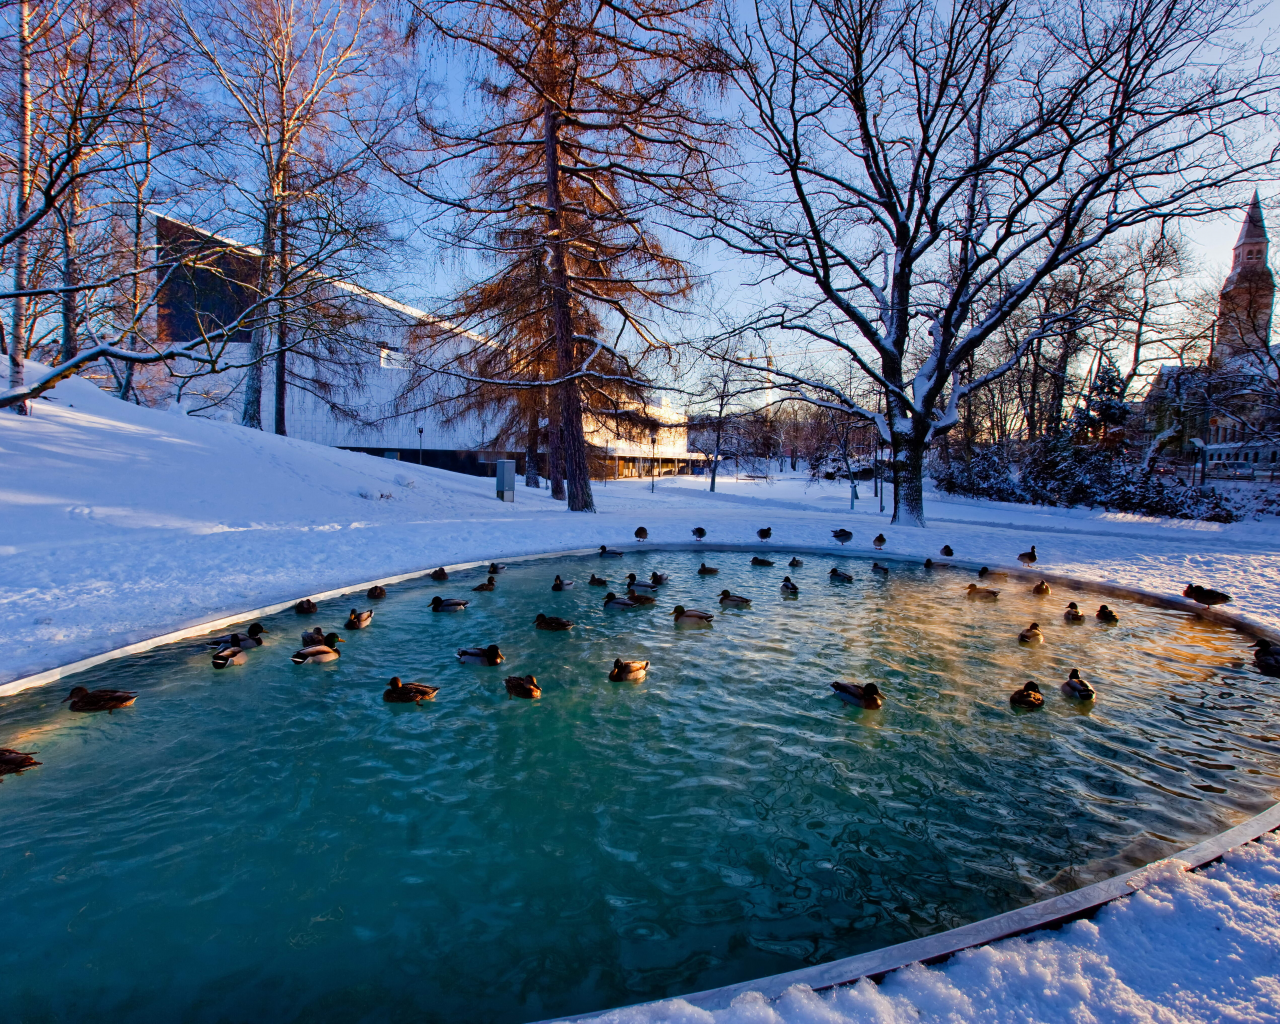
x: 275, y: 843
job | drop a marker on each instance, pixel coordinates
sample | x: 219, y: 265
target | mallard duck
x: 1027, y: 697
x: 946, y: 551
x: 929, y: 563
x: 787, y: 587
x: 525, y: 687
x: 734, y: 600
x: 628, y: 671
x: 642, y: 533
x: 495, y: 568
x: 488, y: 585
x: 1028, y: 558
x: 878, y: 541
x: 866, y: 695
x: 252, y: 637
x: 318, y: 654
x: 1041, y: 589
x: 552, y: 622
x: 439, y: 575
x: 229, y: 656
x: 1205, y: 596
x: 481, y: 655
x: 1266, y: 657
x: 883, y: 570
x: 840, y: 575
x: 597, y: 581
x: 1031, y: 635
x: 795, y: 562
x: 1073, y: 613
x: 608, y: 553
x: 15, y: 762
x: 83, y: 699
x: 639, y: 584
x: 1106, y: 616
x: 977, y: 593
x: 766, y: 533
x: 842, y: 535
x: 306, y: 607
x: 376, y: 593
x: 612, y: 600
x: 699, y: 533
x: 658, y: 578
x: 757, y: 560
x: 1076, y: 688
x: 991, y: 574
x: 312, y: 637
x: 560, y: 584
x: 706, y: 570
x: 641, y: 598
x: 358, y: 620
x: 691, y: 616
x: 408, y: 693
x: 448, y: 604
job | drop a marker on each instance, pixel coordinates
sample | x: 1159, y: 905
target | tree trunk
x: 715, y: 462
x: 17, y: 343
x: 531, y: 451
x: 251, y: 416
x: 282, y: 326
x: 908, y: 449
x: 555, y: 449
x: 573, y: 440
x: 70, y: 275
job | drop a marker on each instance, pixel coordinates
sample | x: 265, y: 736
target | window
x: 392, y: 358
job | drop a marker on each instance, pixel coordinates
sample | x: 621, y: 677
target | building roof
x: 1254, y: 228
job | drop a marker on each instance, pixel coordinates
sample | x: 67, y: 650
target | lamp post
x: 419, y: 446
x: 653, y: 462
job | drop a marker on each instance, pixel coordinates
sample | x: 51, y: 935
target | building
x: 1245, y: 302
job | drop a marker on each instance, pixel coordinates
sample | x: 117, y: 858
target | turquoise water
x: 275, y: 843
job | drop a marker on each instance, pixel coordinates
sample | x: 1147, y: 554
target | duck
x: 306, y: 607
x: 691, y: 616
x: 312, y: 637
x: 734, y: 600
x: 878, y: 541
x: 448, y: 604
x: 15, y: 762
x: 1028, y: 558
x: 1106, y: 616
x: 977, y: 593
x: 994, y: 574
x: 490, y: 655
x: 229, y: 656
x: 252, y: 637
x: 946, y: 551
x: 560, y: 584
x: 882, y: 569
x: 83, y: 699
x: 1027, y: 697
x: 439, y: 575
x: 1205, y: 596
x: 1041, y: 589
x: 658, y: 578
x: 840, y: 575
x: 929, y: 563
x: 787, y: 587
x: 842, y: 535
x: 1031, y: 635
x: 699, y: 533
x: 376, y: 593
x: 641, y: 533
x: 795, y: 562
x: 597, y: 581
x: 606, y: 552
x: 765, y: 534
x: 1267, y: 657
x: 612, y: 600
x: 495, y: 568
x: 1076, y: 688
x: 1073, y: 613
x: 408, y: 693
x: 488, y: 585
x: 706, y: 570
x: 358, y: 620
x: 628, y: 671
x: 525, y: 687
x: 641, y: 598
x: 757, y: 560
x: 639, y: 584
x: 866, y: 695
x: 552, y: 622
x: 318, y: 654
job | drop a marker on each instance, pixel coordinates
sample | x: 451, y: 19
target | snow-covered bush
x: 982, y: 473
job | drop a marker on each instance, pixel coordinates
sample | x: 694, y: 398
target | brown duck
x: 99, y: 700
x: 408, y: 693
x: 525, y: 687
x: 15, y: 762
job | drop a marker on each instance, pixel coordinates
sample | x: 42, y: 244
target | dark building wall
x: 211, y: 287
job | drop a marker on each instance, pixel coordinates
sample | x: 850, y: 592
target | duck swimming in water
x: 15, y: 762
x: 358, y: 620
x: 882, y: 569
x: 553, y: 623
x: 991, y: 574
x: 597, y: 581
x: 439, y: 575
x: 1031, y: 635
x: 560, y: 584
x: 318, y: 654
x: 929, y: 563
x: 481, y: 655
x: 795, y: 562
x: 612, y: 600
x: 628, y: 671
x: 757, y: 560
x: 866, y: 695
x: 1076, y: 688
x: 495, y: 568
x: 977, y: 593
x: 1106, y: 616
x: 83, y: 699
x: 448, y: 604
x: 306, y: 607
x: 250, y: 638
x: 1028, y: 697
x: 376, y: 593
x: 607, y: 553
x: 734, y: 600
x: 1073, y: 613
x: 1267, y: 657
x: 788, y: 587
x: 1041, y: 589
x: 706, y: 570
x: 525, y: 687
x: 839, y: 575
x: 313, y: 636
x: 408, y: 693
x: 842, y: 535
x: 229, y: 656
x: 641, y: 597
x: 699, y: 533
x: 639, y: 584
x: 658, y: 578
x: 488, y: 585
x: 691, y: 616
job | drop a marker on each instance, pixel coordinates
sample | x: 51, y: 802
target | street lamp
x: 653, y: 461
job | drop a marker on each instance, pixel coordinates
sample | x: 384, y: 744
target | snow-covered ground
x: 122, y: 523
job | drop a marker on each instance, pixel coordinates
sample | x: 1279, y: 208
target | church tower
x: 1244, y: 306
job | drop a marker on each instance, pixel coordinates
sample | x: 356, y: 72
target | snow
x: 121, y: 523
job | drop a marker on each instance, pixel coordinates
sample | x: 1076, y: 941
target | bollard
x: 506, y: 477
